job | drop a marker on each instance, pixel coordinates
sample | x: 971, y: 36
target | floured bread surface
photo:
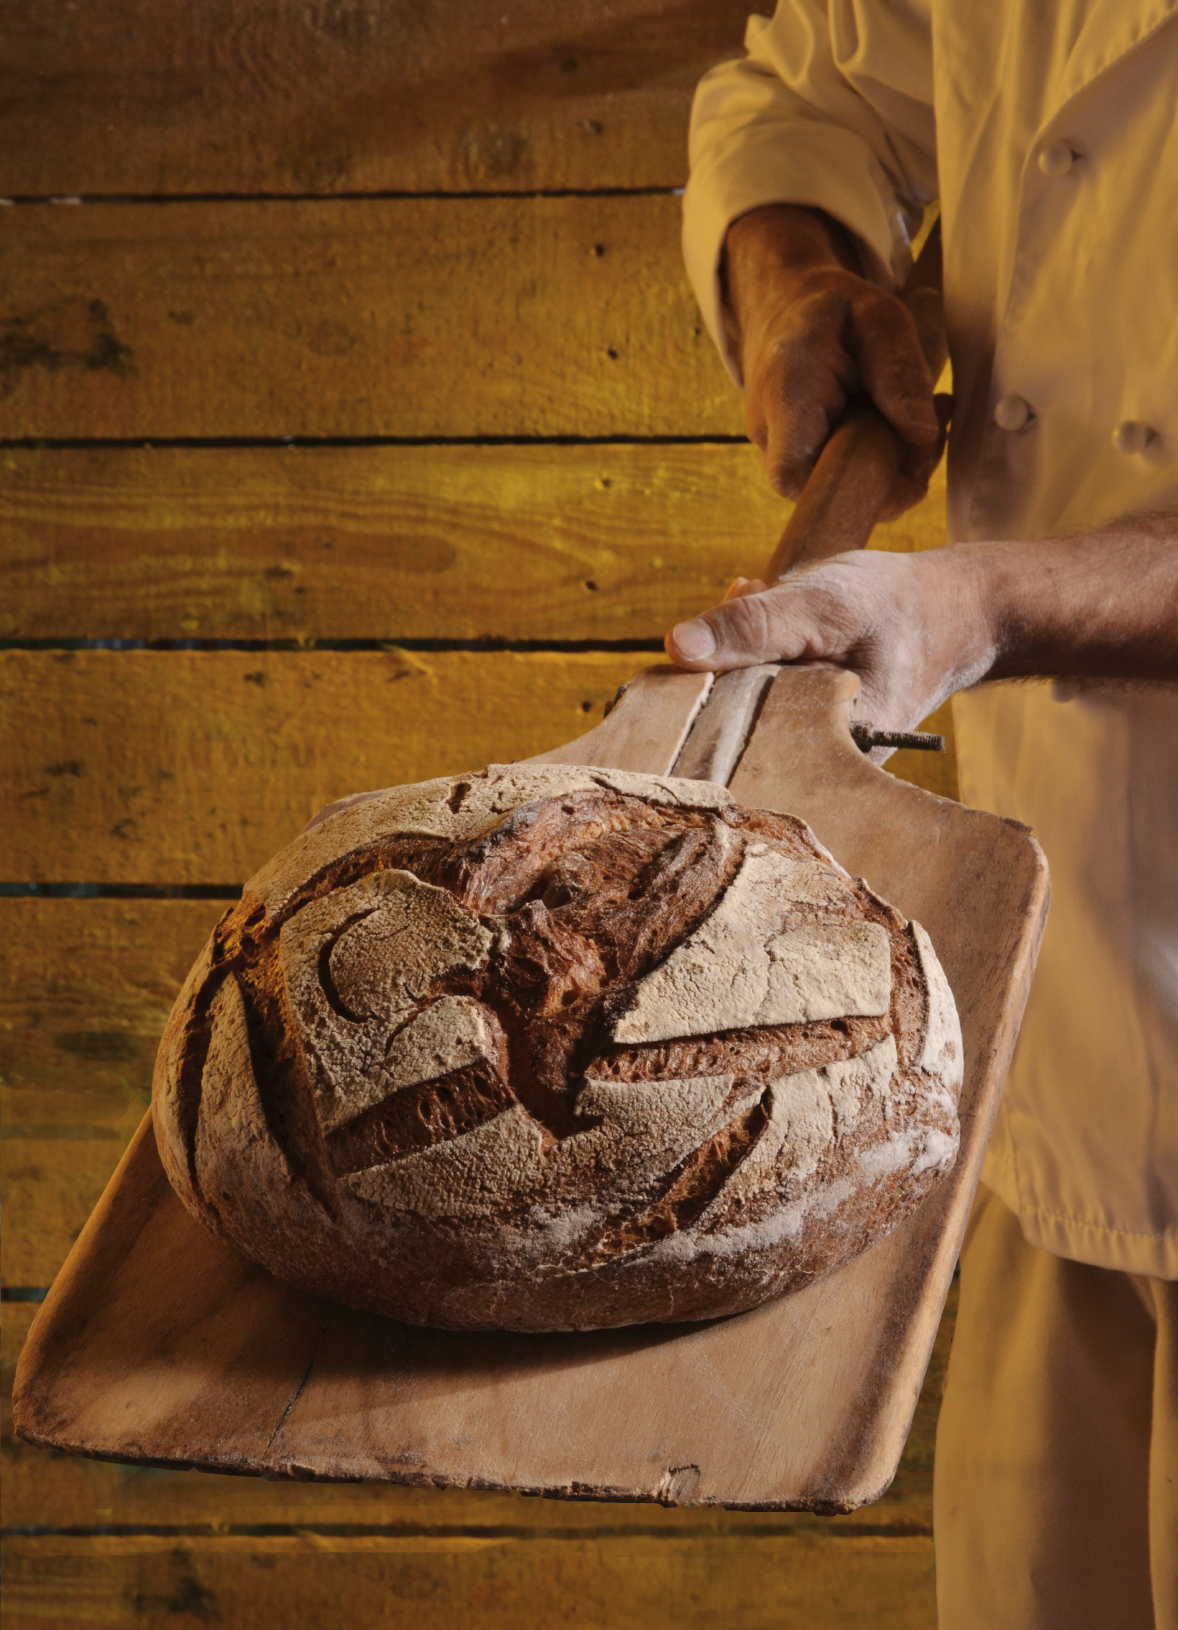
x: 551, y: 1048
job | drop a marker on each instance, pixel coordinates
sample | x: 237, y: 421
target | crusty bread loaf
x: 550, y: 1048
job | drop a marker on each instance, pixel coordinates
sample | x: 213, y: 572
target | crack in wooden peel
x: 301, y: 1388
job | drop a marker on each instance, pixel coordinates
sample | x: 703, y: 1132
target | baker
x: 1048, y: 130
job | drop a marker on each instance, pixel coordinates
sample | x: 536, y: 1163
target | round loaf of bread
x: 558, y: 1048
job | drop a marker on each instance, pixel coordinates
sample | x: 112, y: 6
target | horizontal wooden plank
x: 86, y: 987
x: 48, y: 1188
x: 44, y: 1491
x: 516, y: 542
x: 195, y: 767
x: 378, y: 317
x: 288, y: 97
x: 605, y: 1584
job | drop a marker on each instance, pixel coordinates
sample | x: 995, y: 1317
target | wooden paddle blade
x: 646, y: 729
x: 159, y: 1343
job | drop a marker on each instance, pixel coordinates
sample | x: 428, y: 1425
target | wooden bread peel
x: 159, y: 1344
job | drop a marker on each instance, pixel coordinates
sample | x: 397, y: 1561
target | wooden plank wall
x: 356, y: 425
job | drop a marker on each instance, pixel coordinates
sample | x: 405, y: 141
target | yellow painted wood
x: 122, y: 96
x: 432, y: 317
x: 612, y: 1583
x: 516, y: 542
x: 85, y: 990
x: 361, y: 322
x: 194, y: 767
x: 48, y: 1188
x: 86, y: 987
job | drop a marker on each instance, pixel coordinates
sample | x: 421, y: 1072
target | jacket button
x: 1056, y: 159
x: 1011, y: 413
x: 1132, y: 437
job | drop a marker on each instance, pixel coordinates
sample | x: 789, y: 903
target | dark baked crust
x: 444, y: 1074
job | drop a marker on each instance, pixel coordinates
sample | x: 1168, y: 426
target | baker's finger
x: 892, y: 366
x: 743, y: 585
x: 793, y: 426
x: 740, y: 633
x: 801, y: 390
x: 912, y: 480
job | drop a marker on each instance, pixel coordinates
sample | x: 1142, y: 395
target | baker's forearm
x: 1105, y: 604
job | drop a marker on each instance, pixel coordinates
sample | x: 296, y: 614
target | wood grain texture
x: 352, y: 96
x: 85, y: 990
x: 721, y: 733
x: 326, y: 543
x: 523, y: 542
x: 43, y: 1490
x: 328, y: 318
x: 48, y: 1188
x: 804, y: 1402
x: 647, y: 733
x: 611, y: 1582
x: 195, y: 767
x: 86, y: 987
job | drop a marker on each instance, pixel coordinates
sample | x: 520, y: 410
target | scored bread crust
x: 553, y: 1048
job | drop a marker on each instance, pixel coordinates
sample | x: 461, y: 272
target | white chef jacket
x: 1048, y: 129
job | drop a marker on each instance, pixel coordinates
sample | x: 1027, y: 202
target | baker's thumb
x: 738, y: 634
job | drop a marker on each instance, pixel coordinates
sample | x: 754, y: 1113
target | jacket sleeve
x: 831, y: 108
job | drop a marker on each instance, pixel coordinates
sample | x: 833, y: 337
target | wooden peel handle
x: 856, y: 469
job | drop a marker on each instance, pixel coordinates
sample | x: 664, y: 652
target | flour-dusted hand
x: 811, y: 331
x: 892, y: 619
x: 916, y: 628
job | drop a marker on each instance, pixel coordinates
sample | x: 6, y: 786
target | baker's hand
x: 915, y: 628
x: 810, y: 331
